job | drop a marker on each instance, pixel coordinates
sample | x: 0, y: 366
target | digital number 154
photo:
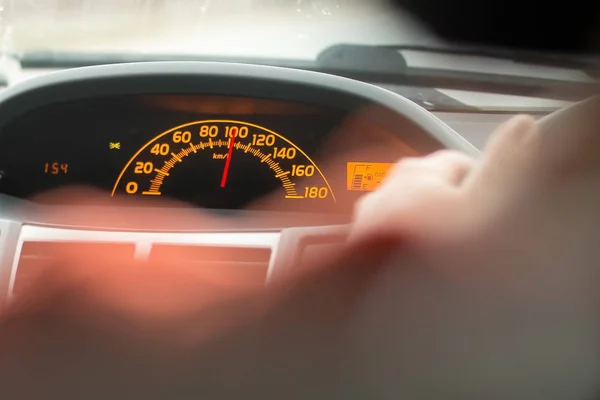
x: 56, y: 168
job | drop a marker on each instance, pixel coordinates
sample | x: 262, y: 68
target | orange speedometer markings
x: 210, y: 138
x: 151, y: 193
x: 175, y: 156
x: 294, y: 197
x: 158, y: 171
x: 282, y: 174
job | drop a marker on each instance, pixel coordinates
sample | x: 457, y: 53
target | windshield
x: 296, y: 29
x: 369, y: 40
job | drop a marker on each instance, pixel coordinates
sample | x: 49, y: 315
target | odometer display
x: 209, y: 161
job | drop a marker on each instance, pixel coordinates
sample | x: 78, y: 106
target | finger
x: 571, y: 144
x: 109, y: 275
x: 365, y: 136
x: 418, y: 194
x: 321, y: 302
x: 454, y: 165
x: 449, y: 165
x: 414, y: 179
x: 143, y: 299
x: 510, y: 149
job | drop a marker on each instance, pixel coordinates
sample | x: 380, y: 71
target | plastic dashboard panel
x: 189, y: 78
x: 218, y: 79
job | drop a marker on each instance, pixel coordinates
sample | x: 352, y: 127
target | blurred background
x: 266, y: 28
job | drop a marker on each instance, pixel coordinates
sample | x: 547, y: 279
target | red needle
x: 228, y: 161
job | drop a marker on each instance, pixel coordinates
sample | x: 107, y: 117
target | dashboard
x: 282, y: 154
x: 214, y: 152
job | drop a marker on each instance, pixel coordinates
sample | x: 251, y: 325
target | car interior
x: 217, y: 136
x: 280, y: 150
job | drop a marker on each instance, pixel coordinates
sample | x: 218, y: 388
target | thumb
x: 507, y: 157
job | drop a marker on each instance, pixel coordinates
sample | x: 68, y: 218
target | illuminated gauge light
x: 206, y: 150
x: 365, y: 176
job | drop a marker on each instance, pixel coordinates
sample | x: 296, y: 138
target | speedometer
x: 215, y: 159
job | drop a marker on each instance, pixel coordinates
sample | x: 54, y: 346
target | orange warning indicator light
x: 366, y: 177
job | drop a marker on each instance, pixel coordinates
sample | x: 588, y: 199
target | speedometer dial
x: 218, y: 160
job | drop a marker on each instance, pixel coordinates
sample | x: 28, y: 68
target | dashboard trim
x: 223, y: 79
x: 9, y: 237
x: 293, y: 240
x: 143, y: 242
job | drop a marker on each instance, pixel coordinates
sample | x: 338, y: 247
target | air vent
x: 243, y: 265
x: 36, y: 257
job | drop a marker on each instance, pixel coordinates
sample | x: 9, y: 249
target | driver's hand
x: 493, y: 292
x: 463, y: 278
